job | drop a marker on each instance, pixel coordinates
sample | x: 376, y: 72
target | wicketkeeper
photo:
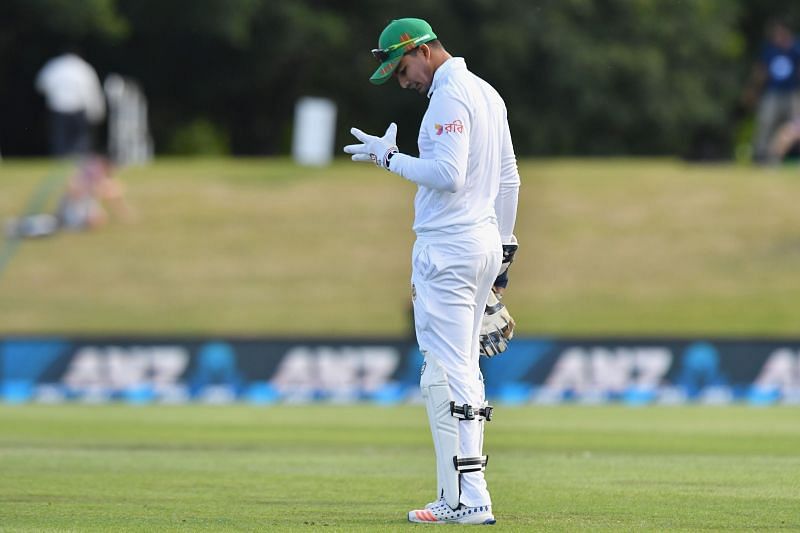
x: 465, y: 210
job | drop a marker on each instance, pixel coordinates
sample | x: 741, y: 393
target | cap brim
x: 384, y: 72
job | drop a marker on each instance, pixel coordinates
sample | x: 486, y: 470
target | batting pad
x: 444, y: 428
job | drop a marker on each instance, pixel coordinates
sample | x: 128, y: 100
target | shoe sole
x: 488, y: 522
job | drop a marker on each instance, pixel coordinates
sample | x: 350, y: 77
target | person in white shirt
x: 76, y: 101
x: 465, y: 211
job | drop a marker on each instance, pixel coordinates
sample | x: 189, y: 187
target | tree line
x: 580, y: 77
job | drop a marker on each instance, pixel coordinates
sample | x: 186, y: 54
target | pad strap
x: 467, y: 412
x: 465, y: 465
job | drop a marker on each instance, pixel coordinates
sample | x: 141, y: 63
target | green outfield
x: 361, y: 468
x: 228, y: 245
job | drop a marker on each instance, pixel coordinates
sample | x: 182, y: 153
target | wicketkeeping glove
x: 376, y: 149
x: 497, y: 328
x: 509, y: 250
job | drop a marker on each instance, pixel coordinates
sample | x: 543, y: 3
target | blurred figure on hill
x: 91, y: 197
x: 75, y: 100
x: 92, y: 192
x: 774, y: 86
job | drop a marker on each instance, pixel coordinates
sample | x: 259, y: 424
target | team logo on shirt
x: 451, y: 127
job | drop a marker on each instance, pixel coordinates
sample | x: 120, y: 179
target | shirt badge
x: 450, y: 127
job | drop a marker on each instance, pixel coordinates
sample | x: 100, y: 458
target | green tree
x: 578, y: 76
x: 32, y: 31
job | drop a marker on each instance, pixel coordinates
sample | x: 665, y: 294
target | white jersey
x: 466, y: 171
x: 69, y: 85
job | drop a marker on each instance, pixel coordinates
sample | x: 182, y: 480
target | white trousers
x: 451, y: 279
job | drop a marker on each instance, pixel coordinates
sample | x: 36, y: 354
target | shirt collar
x: 445, y: 70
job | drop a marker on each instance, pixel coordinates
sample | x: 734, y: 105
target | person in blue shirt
x: 776, y: 84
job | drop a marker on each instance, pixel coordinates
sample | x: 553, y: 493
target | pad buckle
x: 467, y: 412
x: 465, y: 465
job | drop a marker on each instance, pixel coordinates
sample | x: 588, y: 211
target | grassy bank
x: 259, y: 246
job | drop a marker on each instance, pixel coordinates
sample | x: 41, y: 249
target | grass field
x: 361, y: 468
x: 225, y: 245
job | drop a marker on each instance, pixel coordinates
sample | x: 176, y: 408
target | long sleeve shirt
x: 69, y: 85
x: 466, y: 171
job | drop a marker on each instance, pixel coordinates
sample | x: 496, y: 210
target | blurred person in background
x: 464, y: 215
x: 75, y: 101
x: 785, y: 140
x: 774, y: 87
x: 93, y: 195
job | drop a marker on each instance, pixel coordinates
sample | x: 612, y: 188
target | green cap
x: 399, y: 37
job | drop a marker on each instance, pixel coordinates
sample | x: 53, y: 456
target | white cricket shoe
x: 435, y: 503
x: 441, y: 513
